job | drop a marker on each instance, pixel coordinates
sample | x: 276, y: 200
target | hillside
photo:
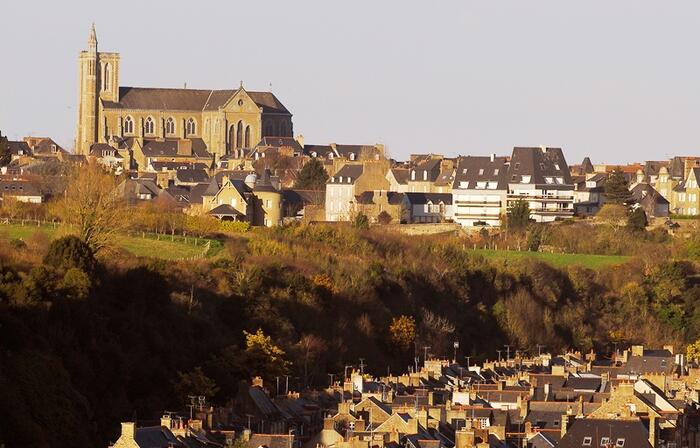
x: 135, y: 336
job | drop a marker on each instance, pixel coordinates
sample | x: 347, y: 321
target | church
x: 222, y: 121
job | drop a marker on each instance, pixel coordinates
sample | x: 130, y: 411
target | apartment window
x: 268, y: 203
x: 128, y: 125
x: 587, y: 441
x: 191, y: 127
x: 148, y: 126
x: 170, y: 126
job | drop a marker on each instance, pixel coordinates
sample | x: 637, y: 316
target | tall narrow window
x: 247, y: 136
x: 128, y: 125
x: 191, y: 127
x: 149, y: 126
x: 231, y: 138
x: 107, y: 77
x: 206, y: 126
x: 239, y: 135
x: 170, y: 126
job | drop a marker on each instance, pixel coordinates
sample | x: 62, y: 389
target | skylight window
x: 549, y: 180
x: 604, y: 441
x: 620, y: 442
x: 587, y: 441
x: 556, y: 166
x: 481, y: 171
x: 495, y: 172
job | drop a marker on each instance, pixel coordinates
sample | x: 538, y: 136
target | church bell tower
x: 88, y: 74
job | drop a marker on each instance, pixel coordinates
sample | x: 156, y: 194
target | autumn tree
x: 617, y: 189
x: 312, y: 176
x: 692, y: 351
x: 309, y: 349
x: 92, y: 207
x: 262, y: 357
x: 403, y: 331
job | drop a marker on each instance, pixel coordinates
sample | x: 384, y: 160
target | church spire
x: 92, y: 39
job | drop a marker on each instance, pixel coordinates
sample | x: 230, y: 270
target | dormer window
x: 352, y: 156
x: 464, y: 171
x: 425, y: 175
x: 413, y: 174
x: 341, y: 179
x: 495, y: 172
x: 349, y: 180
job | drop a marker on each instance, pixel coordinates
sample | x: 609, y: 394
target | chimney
x: 653, y: 430
x: 412, y: 426
x: 246, y: 435
x: 166, y: 421
x: 464, y: 438
x: 128, y: 429
x: 524, y: 405
x: 328, y: 423
x: 566, y: 421
x: 184, y: 147
x: 493, y: 157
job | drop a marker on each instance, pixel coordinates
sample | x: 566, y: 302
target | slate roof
x: 46, y: 146
x: 401, y: 175
x: 583, y: 383
x: 632, y: 431
x: 17, y: 147
x: 225, y: 210
x: 645, y: 193
x: 168, y: 148
x: 651, y: 362
x: 156, y: 437
x: 348, y: 171
x: 474, y: 169
x: 432, y: 167
x: 191, y: 175
x: 539, y: 163
x: 294, y: 196
x: 415, y: 198
x: 18, y: 187
x: 146, y: 98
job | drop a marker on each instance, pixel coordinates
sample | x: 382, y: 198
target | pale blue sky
x: 617, y: 80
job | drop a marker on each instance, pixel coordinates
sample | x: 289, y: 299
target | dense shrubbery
x: 83, y: 347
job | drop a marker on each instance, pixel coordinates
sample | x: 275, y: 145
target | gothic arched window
x: 128, y: 125
x: 247, y: 136
x: 107, y: 77
x: 239, y: 135
x: 191, y: 127
x: 170, y: 126
x: 149, y: 126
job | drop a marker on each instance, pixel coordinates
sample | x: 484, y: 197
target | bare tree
x: 92, y: 206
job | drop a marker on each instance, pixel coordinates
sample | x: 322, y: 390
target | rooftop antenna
x: 362, y: 366
x: 191, y: 405
x: 539, y: 350
x: 507, y: 352
x: 499, y: 355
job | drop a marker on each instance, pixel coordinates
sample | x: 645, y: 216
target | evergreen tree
x: 312, y: 176
x: 637, y: 220
x: 617, y: 189
x: 5, y: 155
x: 519, y: 215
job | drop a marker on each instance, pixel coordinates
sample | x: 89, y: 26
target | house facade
x: 479, y: 190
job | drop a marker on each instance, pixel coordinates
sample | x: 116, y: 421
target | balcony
x: 479, y: 203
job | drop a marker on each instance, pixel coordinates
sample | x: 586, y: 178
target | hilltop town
x: 233, y: 155
x: 193, y: 273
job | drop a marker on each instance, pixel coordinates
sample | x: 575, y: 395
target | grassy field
x: 142, y: 247
x: 559, y: 260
